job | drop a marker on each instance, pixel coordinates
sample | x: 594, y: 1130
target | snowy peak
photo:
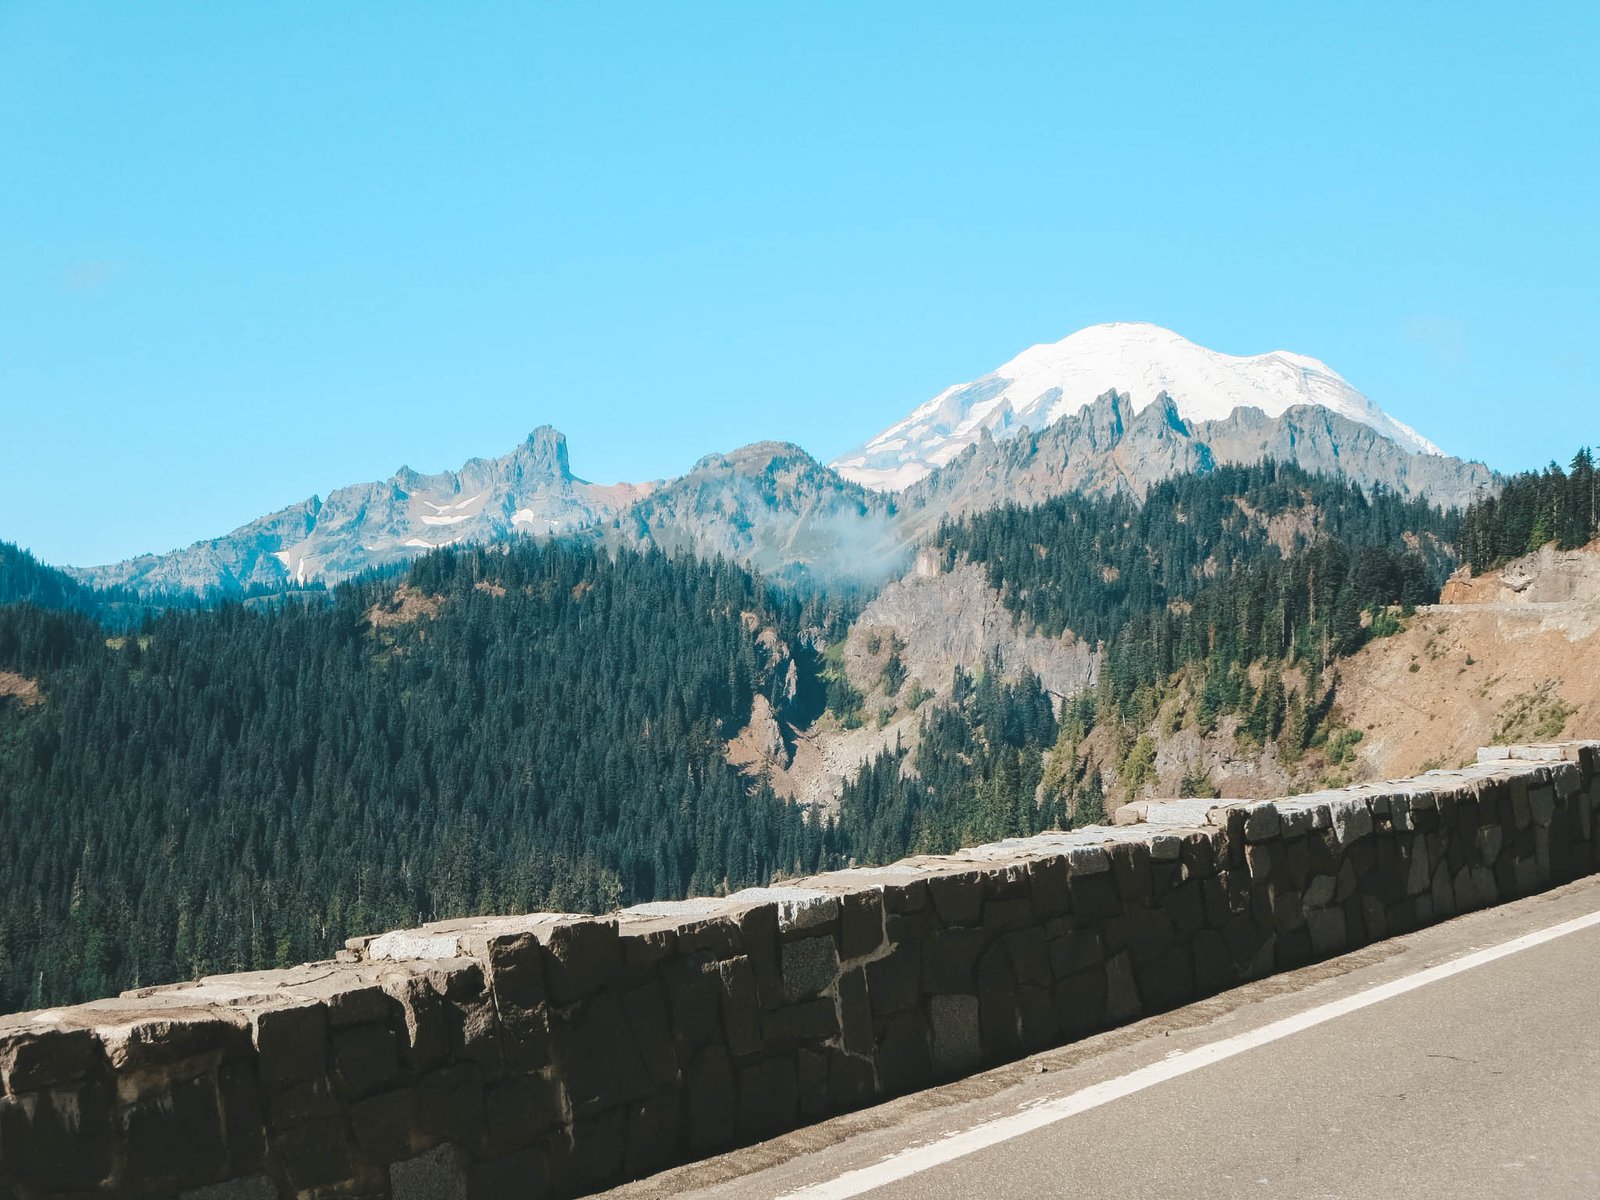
x: 1142, y: 362
x: 1112, y: 408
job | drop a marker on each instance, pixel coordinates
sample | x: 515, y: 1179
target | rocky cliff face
x: 530, y: 491
x: 945, y: 620
x: 1109, y: 447
x: 774, y: 507
x: 1547, y: 576
x: 932, y: 622
x: 1144, y: 364
x: 248, y: 557
x: 1320, y: 440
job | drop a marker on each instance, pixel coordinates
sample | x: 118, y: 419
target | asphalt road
x: 1482, y: 1082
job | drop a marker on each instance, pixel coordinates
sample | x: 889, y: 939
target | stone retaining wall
x: 550, y: 1054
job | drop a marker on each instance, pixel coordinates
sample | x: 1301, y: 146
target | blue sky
x: 252, y: 252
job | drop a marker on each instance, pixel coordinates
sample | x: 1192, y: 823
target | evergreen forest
x: 1534, y: 509
x: 1203, y: 600
x: 26, y: 580
x: 539, y: 726
x: 542, y: 725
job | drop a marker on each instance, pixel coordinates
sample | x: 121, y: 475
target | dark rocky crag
x: 1108, y: 448
x: 530, y: 490
x: 776, y: 509
x: 771, y: 505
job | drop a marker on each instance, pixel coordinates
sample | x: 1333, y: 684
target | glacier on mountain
x: 1141, y: 361
x: 1111, y: 409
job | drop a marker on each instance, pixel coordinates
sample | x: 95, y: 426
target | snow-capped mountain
x: 1141, y: 362
x: 1113, y: 408
x: 1108, y: 449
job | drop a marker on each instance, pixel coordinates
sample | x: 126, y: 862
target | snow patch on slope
x: 1047, y: 382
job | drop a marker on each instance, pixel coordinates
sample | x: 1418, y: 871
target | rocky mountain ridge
x: 531, y: 490
x: 1111, y: 446
x: 772, y: 506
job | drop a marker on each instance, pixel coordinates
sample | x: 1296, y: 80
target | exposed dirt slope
x: 408, y: 605
x: 20, y: 687
x: 1515, y: 656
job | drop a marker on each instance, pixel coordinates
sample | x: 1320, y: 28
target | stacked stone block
x: 550, y: 1055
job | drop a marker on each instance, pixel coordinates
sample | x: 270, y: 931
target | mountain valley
x: 504, y: 687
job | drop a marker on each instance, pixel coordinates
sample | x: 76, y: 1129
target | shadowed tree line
x: 1534, y: 509
x: 539, y: 726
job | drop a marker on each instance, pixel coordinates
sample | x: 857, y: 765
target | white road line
x: 921, y: 1158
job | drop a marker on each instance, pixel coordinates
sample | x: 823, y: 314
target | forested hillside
x: 1091, y: 565
x: 513, y: 728
x: 24, y: 579
x: 1534, y: 509
x: 1221, y: 605
x: 546, y: 724
x: 975, y: 778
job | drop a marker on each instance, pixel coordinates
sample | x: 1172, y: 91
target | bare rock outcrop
x: 931, y: 622
x: 19, y: 688
x: 1109, y: 448
x: 945, y: 620
x: 760, y: 746
x: 1547, y: 576
x: 1509, y: 654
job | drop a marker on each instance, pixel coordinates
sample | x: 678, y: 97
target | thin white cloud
x: 1443, y: 338
x: 88, y: 275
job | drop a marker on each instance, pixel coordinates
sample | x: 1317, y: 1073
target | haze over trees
x: 24, y: 579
